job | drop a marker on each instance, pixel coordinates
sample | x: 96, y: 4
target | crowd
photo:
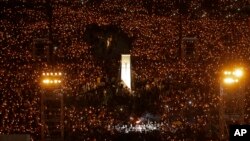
x: 182, y: 88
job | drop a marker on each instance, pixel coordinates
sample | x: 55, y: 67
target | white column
x: 126, y: 70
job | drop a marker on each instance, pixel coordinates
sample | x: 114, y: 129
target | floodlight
x: 229, y: 80
x: 238, y: 73
x: 46, y: 81
x: 227, y: 72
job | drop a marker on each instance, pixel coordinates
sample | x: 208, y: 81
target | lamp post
x: 232, y: 81
x: 51, y: 81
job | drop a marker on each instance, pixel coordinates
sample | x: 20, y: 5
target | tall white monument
x: 126, y: 70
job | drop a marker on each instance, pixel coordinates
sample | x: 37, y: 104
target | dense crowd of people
x: 180, y: 85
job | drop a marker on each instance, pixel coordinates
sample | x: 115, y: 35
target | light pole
x: 231, y: 91
x: 50, y: 82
